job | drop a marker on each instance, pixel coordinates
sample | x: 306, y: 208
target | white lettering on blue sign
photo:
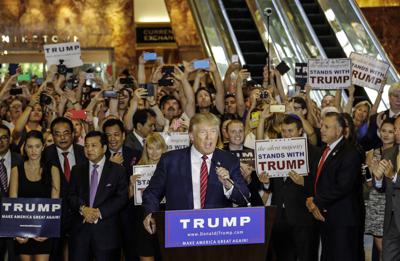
x: 19, y: 207
x: 214, y: 222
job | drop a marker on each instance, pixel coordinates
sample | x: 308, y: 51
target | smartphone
x: 150, y: 89
x: 277, y: 108
x: 149, y: 56
x: 24, y: 77
x: 254, y: 119
x: 167, y: 70
x: 15, y: 91
x: 78, y: 114
x: 12, y: 68
x: 235, y: 58
x: 201, y: 64
x: 110, y: 94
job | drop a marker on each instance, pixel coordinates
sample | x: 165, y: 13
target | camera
x: 164, y: 81
x: 44, y: 99
x: 168, y: 70
x: 62, y: 68
x: 72, y: 83
x: 126, y: 79
x: 264, y: 95
x: 268, y: 11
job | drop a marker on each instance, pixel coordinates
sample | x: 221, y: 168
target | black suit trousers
x: 294, y: 242
x: 341, y: 243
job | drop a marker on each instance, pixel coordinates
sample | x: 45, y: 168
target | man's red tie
x: 203, y: 180
x: 67, y: 169
x: 320, y: 165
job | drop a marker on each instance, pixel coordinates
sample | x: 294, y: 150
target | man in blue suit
x: 200, y: 176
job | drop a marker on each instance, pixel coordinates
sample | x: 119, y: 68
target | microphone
x: 233, y: 184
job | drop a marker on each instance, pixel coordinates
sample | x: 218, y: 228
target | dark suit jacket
x: 371, y: 139
x: 111, y: 197
x: 130, y: 159
x: 132, y: 142
x: 16, y: 160
x: 292, y: 196
x: 173, y: 179
x: 51, y: 156
x: 339, y: 187
x: 392, y: 190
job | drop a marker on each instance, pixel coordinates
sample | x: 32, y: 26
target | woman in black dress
x: 34, y: 180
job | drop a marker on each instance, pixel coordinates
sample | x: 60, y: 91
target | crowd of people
x: 78, y: 138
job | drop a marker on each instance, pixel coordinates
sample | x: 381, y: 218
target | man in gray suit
x: 387, y: 179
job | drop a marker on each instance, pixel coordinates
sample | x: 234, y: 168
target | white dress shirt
x: 138, y: 137
x: 99, y: 169
x: 196, y: 161
x: 70, y: 156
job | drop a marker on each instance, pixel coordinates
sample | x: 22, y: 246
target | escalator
x: 323, y: 30
x: 248, y: 38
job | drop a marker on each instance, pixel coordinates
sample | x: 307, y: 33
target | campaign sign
x: 245, y: 156
x: 368, y: 71
x: 176, y: 140
x: 30, y: 217
x: 329, y: 73
x: 300, y: 74
x: 69, y: 52
x: 277, y: 157
x: 212, y: 227
x: 142, y: 175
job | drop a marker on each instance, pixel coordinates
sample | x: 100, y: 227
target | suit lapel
x: 186, y: 173
x: 333, y: 154
x: 86, y: 183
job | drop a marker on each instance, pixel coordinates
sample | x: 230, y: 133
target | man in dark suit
x: 8, y: 160
x: 295, y: 233
x: 123, y: 155
x: 198, y: 176
x: 337, y: 202
x: 144, y: 122
x: 387, y: 180
x: 64, y: 154
x: 98, y: 193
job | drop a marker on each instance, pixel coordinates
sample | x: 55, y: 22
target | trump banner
x: 368, y: 71
x: 70, y: 53
x: 277, y: 157
x: 212, y: 227
x: 329, y: 73
x: 30, y: 217
x: 176, y: 140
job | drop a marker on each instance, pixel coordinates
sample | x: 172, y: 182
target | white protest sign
x: 176, y: 140
x: 277, y: 157
x: 329, y: 73
x: 69, y: 52
x: 143, y: 174
x: 368, y: 71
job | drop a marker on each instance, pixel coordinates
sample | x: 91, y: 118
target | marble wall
x: 385, y: 22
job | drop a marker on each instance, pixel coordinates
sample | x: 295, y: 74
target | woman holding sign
x: 147, y: 245
x: 34, y: 180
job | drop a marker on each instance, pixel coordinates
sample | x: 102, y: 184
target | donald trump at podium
x: 197, y: 177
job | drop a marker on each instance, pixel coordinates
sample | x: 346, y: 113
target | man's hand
x: 117, y: 158
x: 314, y: 209
x: 90, y: 215
x: 223, y: 177
x: 150, y: 224
x: 264, y: 178
x: 246, y: 170
x: 40, y: 239
x: 296, y: 178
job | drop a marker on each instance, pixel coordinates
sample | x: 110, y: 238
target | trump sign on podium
x: 212, y: 227
x: 277, y: 157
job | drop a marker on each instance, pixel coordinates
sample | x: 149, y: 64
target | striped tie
x: 203, y: 180
x: 3, y: 176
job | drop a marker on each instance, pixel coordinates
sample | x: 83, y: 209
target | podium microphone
x: 248, y: 204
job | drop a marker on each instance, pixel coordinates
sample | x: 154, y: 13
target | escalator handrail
x: 231, y: 33
x: 310, y: 29
x: 374, y: 40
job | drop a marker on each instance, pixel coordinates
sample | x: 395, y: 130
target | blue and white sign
x: 30, y: 217
x: 212, y: 227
